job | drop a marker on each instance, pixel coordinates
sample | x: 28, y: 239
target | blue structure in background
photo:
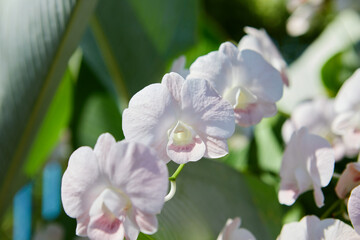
x: 23, y: 213
x: 51, y: 199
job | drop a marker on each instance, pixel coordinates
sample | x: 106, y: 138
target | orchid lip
x: 240, y: 97
x: 182, y: 134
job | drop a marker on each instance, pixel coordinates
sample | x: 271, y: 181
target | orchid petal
x: 348, y: 98
x: 205, y: 110
x: 308, y: 162
x: 131, y: 231
x: 152, y: 111
x: 178, y: 66
x: 105, y: 227
x: 354, y: 208
x: 140, y: 175
x: 215, y: 148
x: 81, y: 226
x: 287, y: 129
x: 185, y: 145
x: 253, y: 113
x: 343, y: 123
x: 81, y: 183
x: 310, y: 227
x: 147, y: 223
x: 259, y: 41
x: 348, y: 180
x: 103, y: 145
x: 231, y: 231
x: 174, y: 82
x: 215, y: 68
x: 259, y: 76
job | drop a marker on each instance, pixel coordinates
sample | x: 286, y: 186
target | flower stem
x: 331, y: 209
x: 172, y: 192
x: 177, y: 172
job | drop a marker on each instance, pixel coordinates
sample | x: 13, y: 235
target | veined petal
x: 82, y: 182
x: 136, y: 170
x: 185, y: 144
x: 215, y: 147
x: 178, y: 66
x: 103, y: 146
x: 254, y: 112
x: 205, y: 110
x: 113, y: 201
x: 147, y: 223
x: 174, y: 82
x: 151, y: 112
x: 215, y: 67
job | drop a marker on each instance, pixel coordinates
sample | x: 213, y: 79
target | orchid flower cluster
x: 116, y: 189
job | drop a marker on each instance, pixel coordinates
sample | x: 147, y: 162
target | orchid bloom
x: 311, y: 227
x: 317, y: 116
x: 308, y: 163
x: 178, y: 66
x: 243, y: 78
x: 354, y: 208
x: 347, y: 106
x: 182, y: 120
x: 303, y: 14
x: 259, y: 41
x: 115, y: 190
x: 232, y: 231
x: 348, y: 180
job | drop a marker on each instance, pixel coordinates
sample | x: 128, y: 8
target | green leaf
x: 145, y: 237
x: 269, y: 150
x: 36, y: 40
x: 339, y: 68
x: 208, y: 193
x: 55, y: 121
x: 95, y: 110
x: 130, y: 41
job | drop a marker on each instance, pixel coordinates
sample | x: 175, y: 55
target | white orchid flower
x: 308, y: 163
x: 115, y: 190
x: 183, y: 120
x: 243, y: 78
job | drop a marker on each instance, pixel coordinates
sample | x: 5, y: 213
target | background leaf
x: 208, y: 193
x: 130, y: 42
x: 36, y: 40
x: 339, y: 68
x: 52, y: 127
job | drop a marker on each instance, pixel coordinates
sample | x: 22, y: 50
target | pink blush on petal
x: 185, y: 148
x: 248, y: 116
x: 104, y: 223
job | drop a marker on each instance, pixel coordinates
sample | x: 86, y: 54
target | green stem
x: 331, y: 209
x: 177, y: 172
